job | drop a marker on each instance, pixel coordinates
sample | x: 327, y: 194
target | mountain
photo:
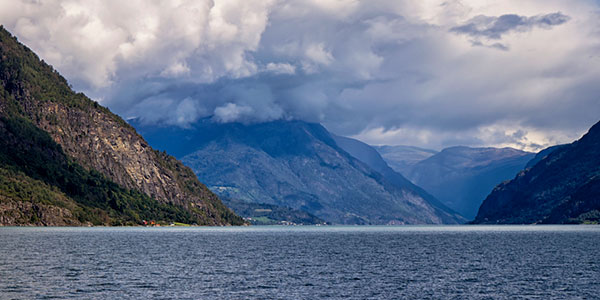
x: 268, y: 214
x: 293, y: 164
x: 66, y: 160
x: 402, y: 158
x: 541, y: 155
x: 461, y: 177
x: 563, y: 187
x: 373, y: 159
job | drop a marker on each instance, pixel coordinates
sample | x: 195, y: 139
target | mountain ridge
x: 97, y: 139
x: 294, y: 164
x: 401, y: 157
x: 461, y: 177
x: 373, y: 159
x: 562, y: 187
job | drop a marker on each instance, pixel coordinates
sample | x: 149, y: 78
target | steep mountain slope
x: 93, y: 138
x: 42, y: 186
x: 461, y: 177
x: 402, y: 158
x: 541, y: 155
x: 293, y: 164
x: 563, y: 187
x: 373, y: 159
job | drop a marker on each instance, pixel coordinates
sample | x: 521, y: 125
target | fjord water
x: 361, y: 262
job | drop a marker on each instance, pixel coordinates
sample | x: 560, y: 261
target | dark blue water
x: 462, y: 262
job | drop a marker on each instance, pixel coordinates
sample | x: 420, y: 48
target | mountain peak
x: 295, y: 164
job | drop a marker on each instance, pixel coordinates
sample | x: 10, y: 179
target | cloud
x: 499, y: 46
x: 495, y: 27
x: 393, y: 72
x: 280, y: 68
x: 231, y: 112
x: 101, y: 43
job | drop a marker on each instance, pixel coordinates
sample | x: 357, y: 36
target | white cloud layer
x: 428, y: 73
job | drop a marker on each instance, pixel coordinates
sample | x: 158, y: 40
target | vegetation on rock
x: 268, y: 214
x: 84, y: 158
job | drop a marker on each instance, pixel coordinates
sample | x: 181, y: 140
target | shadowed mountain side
x: 541, y: 155
x: 461, y: 177
x: 373, y: 159
x: 294, y: 164
x: 563, y: 187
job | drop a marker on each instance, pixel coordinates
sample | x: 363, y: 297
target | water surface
x: 330, y: 262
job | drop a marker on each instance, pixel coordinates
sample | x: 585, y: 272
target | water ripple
x: 346, y: 262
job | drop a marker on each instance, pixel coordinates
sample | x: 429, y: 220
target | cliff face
x: 96, y: 138
x: 563, y: 187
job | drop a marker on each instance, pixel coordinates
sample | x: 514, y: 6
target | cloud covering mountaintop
x: 427, y: 73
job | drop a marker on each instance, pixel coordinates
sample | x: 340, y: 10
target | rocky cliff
x: 97, y: 139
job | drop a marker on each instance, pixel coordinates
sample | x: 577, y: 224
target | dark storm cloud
x: 388, y: 71
x: 499, y: 46
x: 495, y: 27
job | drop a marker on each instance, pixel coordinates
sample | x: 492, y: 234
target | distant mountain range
x: 403, y: 158
x: 66, y: 160
x: 461, y: 177
x: 298, y: 165
x: 373, y: 159
x: 562, y: 187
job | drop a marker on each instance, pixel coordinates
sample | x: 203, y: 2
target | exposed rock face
x: 563, y: 187
x: 294, y: 164
x: 96, y: 138
x: 101, y: 141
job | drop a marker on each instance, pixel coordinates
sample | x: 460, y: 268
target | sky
x: 518, y: 73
